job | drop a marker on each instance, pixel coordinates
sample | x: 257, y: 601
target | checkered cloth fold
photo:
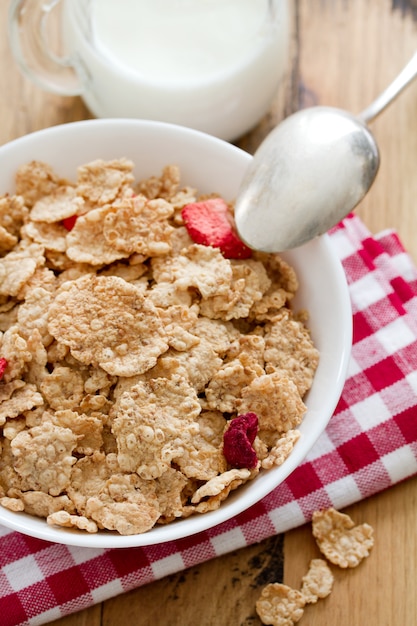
x: 369, y: 445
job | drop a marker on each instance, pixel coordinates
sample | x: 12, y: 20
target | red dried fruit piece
x: 3, y: 365
x: 210, y: 223
x: 69, y: 222
x: 238, y: 440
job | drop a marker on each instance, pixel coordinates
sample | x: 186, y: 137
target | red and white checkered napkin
x: 369, y: 445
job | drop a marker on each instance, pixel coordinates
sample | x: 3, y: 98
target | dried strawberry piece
x: 3, y: 365
x: 238, y: 440
x: 69, y: 222
x: 210, y: 223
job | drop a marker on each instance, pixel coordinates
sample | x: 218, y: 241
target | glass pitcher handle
x: 27, y: 23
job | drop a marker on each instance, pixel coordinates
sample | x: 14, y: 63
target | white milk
x: 213, y: 65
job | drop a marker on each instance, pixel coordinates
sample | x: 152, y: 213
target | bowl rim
x: 233, y: 506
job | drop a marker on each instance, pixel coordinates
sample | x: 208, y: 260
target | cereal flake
x: 341, y: 542
x: 289, y: 347
x: 43, y: 457
x: 61, y: 203
x: 275, y: 400
x: 100, y: 182
x: 155, y: 422
x: 279, y: 605
x: 106, y: 321
x: 318, y: 581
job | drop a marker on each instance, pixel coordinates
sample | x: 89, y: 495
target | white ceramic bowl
x: 209, y: 164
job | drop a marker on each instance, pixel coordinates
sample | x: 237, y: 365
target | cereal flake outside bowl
x: 208, y: 164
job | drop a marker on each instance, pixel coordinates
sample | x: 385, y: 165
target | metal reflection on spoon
x: 310, y: 172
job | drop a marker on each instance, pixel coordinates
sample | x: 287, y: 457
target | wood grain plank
x: 221, y: 592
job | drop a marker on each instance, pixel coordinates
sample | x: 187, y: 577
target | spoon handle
x: 408, y: 73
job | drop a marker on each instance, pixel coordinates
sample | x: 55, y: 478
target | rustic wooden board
x: 343, y: 53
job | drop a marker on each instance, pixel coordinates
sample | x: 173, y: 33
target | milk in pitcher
x: 213, y: 65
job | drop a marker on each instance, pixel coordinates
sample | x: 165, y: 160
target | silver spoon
x: 310, y: 172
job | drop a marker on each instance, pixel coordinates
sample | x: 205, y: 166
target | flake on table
x: 279, y: 605
x: 341, y: 542
x: 318, y: 581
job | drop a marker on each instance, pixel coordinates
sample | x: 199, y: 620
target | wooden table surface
x: 344, y: 52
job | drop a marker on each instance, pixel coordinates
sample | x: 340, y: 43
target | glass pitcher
x: 213, y: 65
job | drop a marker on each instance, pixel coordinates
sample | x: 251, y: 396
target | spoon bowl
x: 310, y: 172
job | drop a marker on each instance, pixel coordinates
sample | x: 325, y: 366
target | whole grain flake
x: 339, y: 539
